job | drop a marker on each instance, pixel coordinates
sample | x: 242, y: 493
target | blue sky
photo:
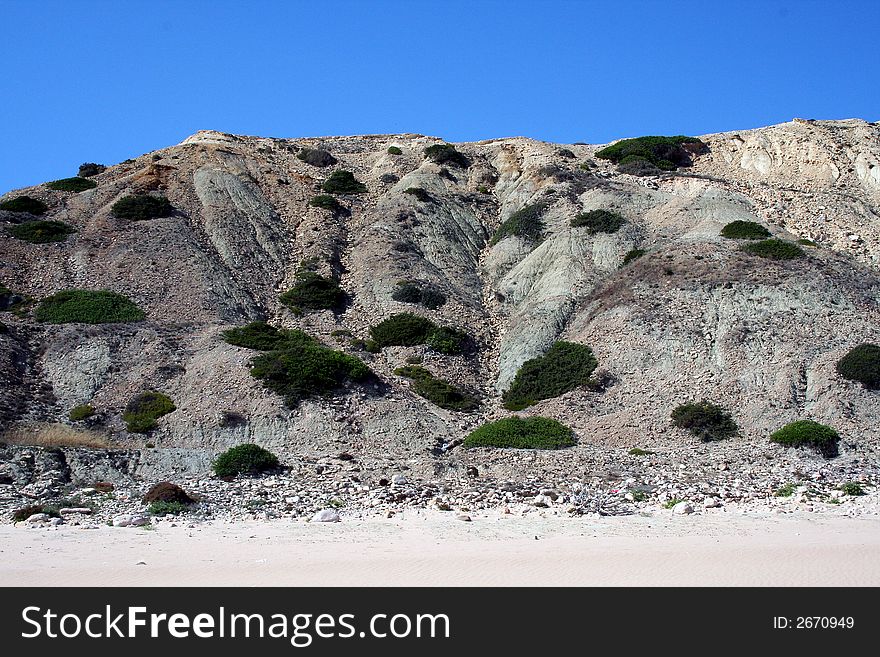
x: 106, y: 80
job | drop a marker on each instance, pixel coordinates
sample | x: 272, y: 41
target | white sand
x: 433, y: 548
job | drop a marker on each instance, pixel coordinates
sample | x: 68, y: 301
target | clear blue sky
x: 106, y: 80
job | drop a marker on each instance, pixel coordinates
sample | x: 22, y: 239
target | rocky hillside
x: 695, y: 317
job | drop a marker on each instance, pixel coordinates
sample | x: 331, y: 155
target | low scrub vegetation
x: 810, y: 434
x: 437, y: 391
x: 862, y: 364
x: 394, y: 150
x: 168, y: 508
x: 24, y: 204
x: 54, y: 435
x: 632, y: 255
x: 81, y: 412
x: 142, y: 207
x: 408, y: 330
x: 142, y: 412
x: 527, y: 223
x: 414, y: 292
x: 745, y: 230
x: 87, y: 307
x: 343, y: 182
x: 419, y: 193
x: 89, y: 169
x: 247, y: 459
x: 325, y: 202
x: 256, y: 335
x: 446, y: 154
x: 853, y: 488
x: 522, y: 433
x: 75, y: 184
x: 41, y: 232
x: 313, y: 292
x: 704, y: 420
x: 317, y: 157
x: 448, y: 340
x: 598, y: 221
x: 665, y: 153
x: 774, y: 249
x: 565, y: 366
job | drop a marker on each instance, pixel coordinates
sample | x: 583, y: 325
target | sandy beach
x: 435, y: 549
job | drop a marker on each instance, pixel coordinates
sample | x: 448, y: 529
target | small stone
x: 463, y: 517
x: 140, y: 520
x: 123, y: 520
x: 38, y: 517
x: 682, y: 509
x: 326, y: 515
x: 398, y: 480
x: 56, y: 521
x: 74, y: 510
x: 711, y: 503
x: 472, y: 471
x: 141, y: 563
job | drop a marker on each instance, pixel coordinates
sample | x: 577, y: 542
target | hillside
x: 695, y: 317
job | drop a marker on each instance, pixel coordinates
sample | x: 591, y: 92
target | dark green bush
x: 302, y: 367
x: 89, y: 169
x: 527, y: 223
x: 659, y: 151
x: 403, y: 329
x: 394, y: 150
x: 598, y: 221
x: 412, y: 292
x: 343, y: 182
x: 256, y: 335
x: 313, y: 292
x: 638, y: 166
x: 24, y: 204
x: 522, y: 433
x: 745, y: 230
x: 325, y: 202
x: 774, y: 249
x: 565, y: 366
x: 142, y: 412
x: 316, y: 157
x: 419, y: 193
x: 810, y: 243
x: 81, y: 412
x: 807, y: 433
x: 75, y: 184
x: 448, y: 340
x: 142, y: 207
x: 87, y: 307
x: 853, y: 488
x: 437, y: 391
x: 41, y: 232
x: 167, y: 508
x: 862, y: 364
x: 632, y: 255
x: 704, y: 420
x: 165, y: 491
x: 446, y: 154
x: 246, y: 459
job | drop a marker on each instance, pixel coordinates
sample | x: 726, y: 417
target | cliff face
x: 693, y: 318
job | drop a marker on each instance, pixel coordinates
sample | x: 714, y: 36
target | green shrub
x: 142, y: 412
x: 662, y: 152
x: 24, y: 204
x: 412, y: 292
x: 325, y: 202
x: 419, y: 193
x: 527, y: 223
x: 81, y: 412
x: 165, y: 491
x: 313, y: 292
x: 810, y: 243
x: 302, y: 367
x: 786, y: 490
x: 41, y: 232
x: 437, y: 391
x: 522, y: 433
x: 745, y: 230
x: 394, y: 150
x: 403, y: 329
x: 668, y: 504
x: 343, y: 182
x: 565, y: 366
x: 142, y: 207
x: 448, y: 340
x: 256, y: 335
x: 316, y: 157
x: 807, y: 433
x: 89, y: 169
x: 598, y: 221
x: 637, y: 451
x: 638, y: 166
x: 704, y: 420
x: 87, y: 307
x: 167, y: 508
x: 76, y: 184
x: 246, y: 459
x: 774, y: 249
x: 862, y: 364
x: 446, y: 154
x: 632, y: 256
x: 852, y: 488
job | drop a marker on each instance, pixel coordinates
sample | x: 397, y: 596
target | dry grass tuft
x: 54, y: 435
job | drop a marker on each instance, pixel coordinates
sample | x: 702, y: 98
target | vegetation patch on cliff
x: 527, y: 223
x: 565, y: 366
x: 810, y: 434
x: 437, y: 391
x: 248, y: 459
x: 704, y: 420
x: 665, y: 153
x: 142, y: 207
x: 774, y: 249
x: 24, y: 204
x: 862, y: 364
x: 745, y: 230
x: 142, y: 412
x: 598, y: 221
x: 343, y: 182
x: 41, y: 232
x: 313, y: 292
x: 418, y: 293
x: 407, y: 330
x: 87, y: 307
x: 446, y: 154
x: 75, y: 184
x: 522, y: 433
